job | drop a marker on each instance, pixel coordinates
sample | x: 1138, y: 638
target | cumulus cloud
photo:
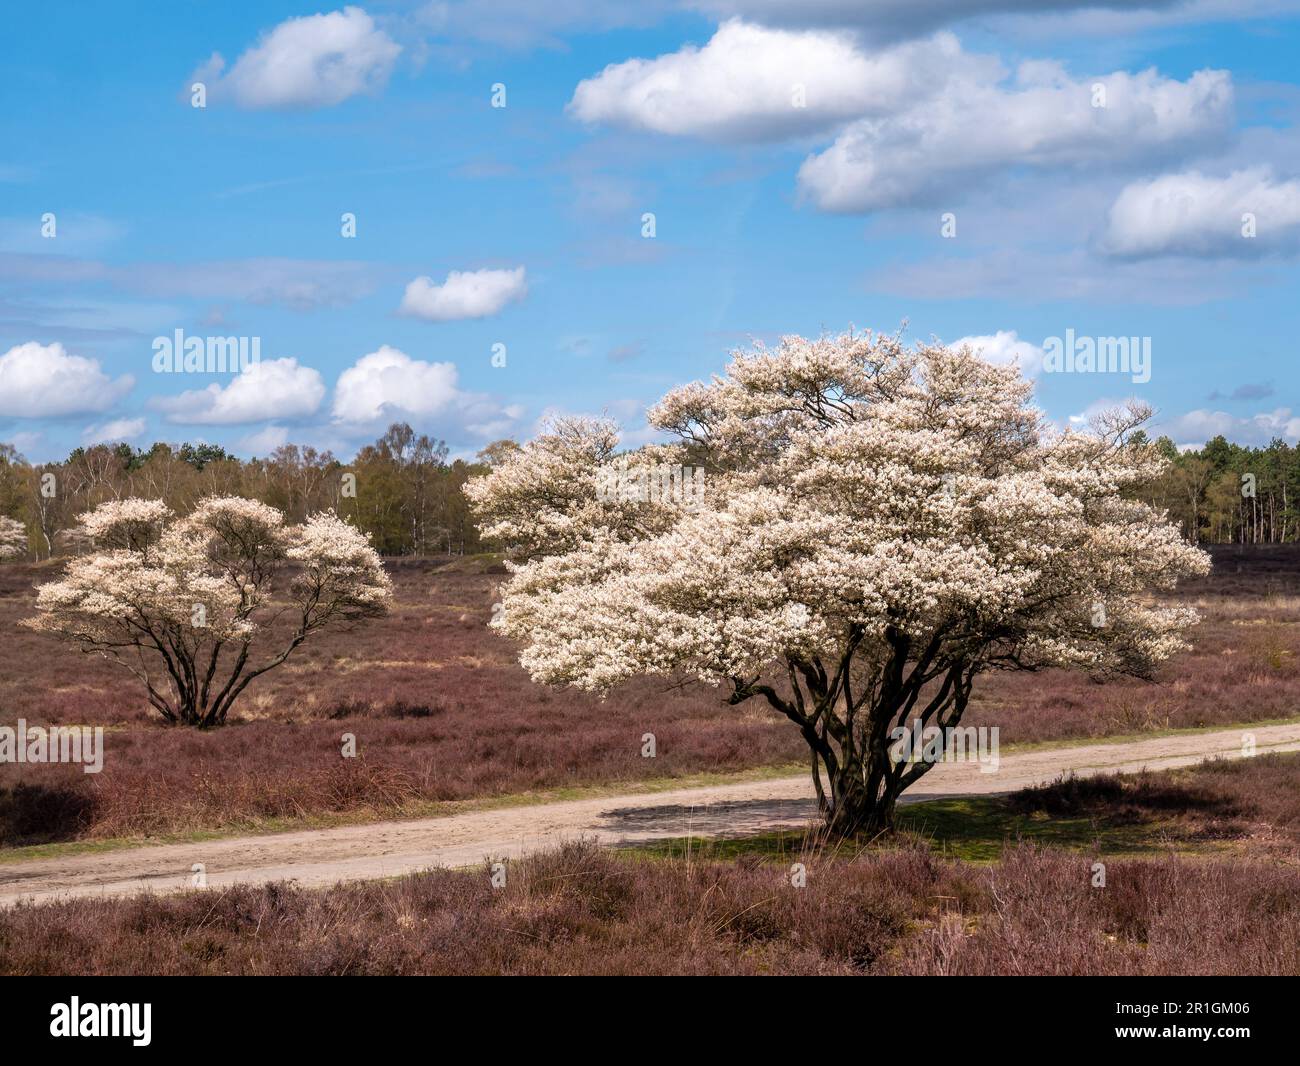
x: 389, y: 380
x: 119, y: 429
x: 1003, y: 348
x: 752, y: 83
x: 272, y: 388
x: 313, y: 61
x: 388, y: 384
x: 1193, y: 429
x: 1043, y: 118
x: 916, y: 120
x: 1195, y: 215
x: 465, y: 294
x: 45, y: 381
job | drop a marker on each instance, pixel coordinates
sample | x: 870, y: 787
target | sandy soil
x: 325, y: 856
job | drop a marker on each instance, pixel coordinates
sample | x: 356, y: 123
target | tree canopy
x: 190, y: 605
x: 878, y: 525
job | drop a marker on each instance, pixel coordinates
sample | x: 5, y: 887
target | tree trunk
x: 852, y: 734
x: 868, y: 773
x: 863, y: 795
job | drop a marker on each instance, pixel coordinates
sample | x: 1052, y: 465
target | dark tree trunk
x: 864, y: 795
x: 851, y: 733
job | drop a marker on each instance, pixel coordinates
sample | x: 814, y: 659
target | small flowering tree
x: 192, y: 606
x: 878, y: 525
x: 13, y: 538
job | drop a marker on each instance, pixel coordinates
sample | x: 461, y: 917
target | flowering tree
x: 190, y: 605
x: 13, y: 538
x: 878, y: 525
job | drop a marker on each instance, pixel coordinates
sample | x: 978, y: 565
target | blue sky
x: 799, y: 160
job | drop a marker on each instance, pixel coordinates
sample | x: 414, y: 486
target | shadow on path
x: 726, y: 818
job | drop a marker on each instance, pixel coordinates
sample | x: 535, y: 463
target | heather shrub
x: 579, y: 910
x: 491, y: 731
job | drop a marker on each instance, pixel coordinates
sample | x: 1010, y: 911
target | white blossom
x: 13, y: 538
x: 878, y: 521
x: 184, y: 603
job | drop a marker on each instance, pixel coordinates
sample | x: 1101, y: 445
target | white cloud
x: 388, y: 384
x: 1003, y: 348
x: 1043, y: 119
x: 389, y: 381
x: 485, y: 419
x: 916, y: 121
x: 1193, y: 429
x: 465, y: 294
x: 44, y: 381
x: 745, y: 83
x: 1192, y: 214
x: 272, y: 388
x: 264, y: 441
x: 119, y: 429
x: 313, y: 61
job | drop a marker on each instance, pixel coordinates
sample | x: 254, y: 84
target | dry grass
x: 441, y: 711
x: 578, y: 910
x: 897, y: 907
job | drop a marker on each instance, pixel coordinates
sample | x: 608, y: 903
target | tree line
x: 1226, y: 493
x: 401, y: 489
x: 404, y: 492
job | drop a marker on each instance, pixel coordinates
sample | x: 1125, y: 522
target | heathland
x: 441, y: 712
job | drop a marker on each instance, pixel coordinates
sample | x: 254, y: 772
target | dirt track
x: 324, y: 856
